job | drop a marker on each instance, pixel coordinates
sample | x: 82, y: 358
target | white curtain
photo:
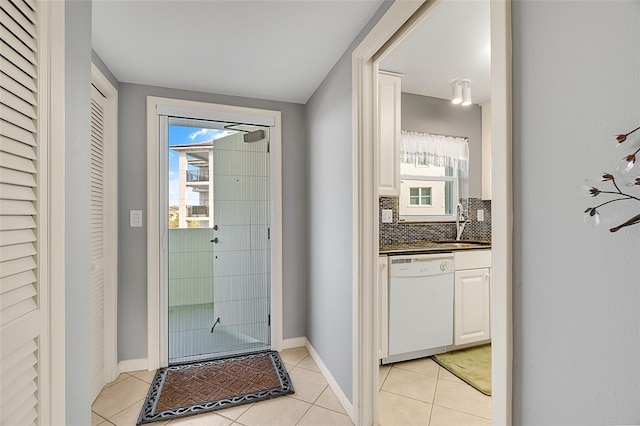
x: 440, y: 151
x: 437, y: 150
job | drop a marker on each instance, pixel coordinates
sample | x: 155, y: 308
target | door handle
x: 215, y: 240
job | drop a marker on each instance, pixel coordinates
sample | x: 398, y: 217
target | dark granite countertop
x: 415, y: 247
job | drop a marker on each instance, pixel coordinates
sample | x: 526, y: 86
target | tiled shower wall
x: 398, y: 232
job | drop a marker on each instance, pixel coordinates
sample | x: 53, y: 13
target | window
x: 433, y: 176
x: 420, y: 196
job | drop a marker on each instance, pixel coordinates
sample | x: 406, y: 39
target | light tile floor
x: 420, y: 392
x: 416, y: 392
x: 313, y: 403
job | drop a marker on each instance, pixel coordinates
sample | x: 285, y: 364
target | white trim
x: 153, y: 238
x: 46, y: 210
x: 216, y: 115
x: 364, y: 70
x: 111, y: 221
x: 153, y: 215
x: 337, y: 390
x: 294, y: 342
x: 502, y: 213
x: 53, y: 71
x: 129, y: 365
x: 365, y: 213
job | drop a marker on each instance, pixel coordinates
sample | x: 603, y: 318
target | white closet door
x: 23, y: 181
x: 98, y: 379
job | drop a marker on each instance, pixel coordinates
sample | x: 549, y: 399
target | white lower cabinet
x: 383, y: 307
x: 472, y: 298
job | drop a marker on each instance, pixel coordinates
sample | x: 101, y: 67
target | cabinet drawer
x: 472, y: 259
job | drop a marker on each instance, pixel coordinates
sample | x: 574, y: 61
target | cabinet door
x: 472, y: 312
x: 383, y: 307
x: 389, y: 133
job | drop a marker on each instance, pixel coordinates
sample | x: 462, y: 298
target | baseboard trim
x: 294, y: 342
x: 344, y: 401
x: 129, y: 365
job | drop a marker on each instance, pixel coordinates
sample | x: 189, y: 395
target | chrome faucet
x: 459, y: 218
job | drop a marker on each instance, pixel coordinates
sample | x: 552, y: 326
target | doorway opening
x: 218, y: 235
x: 401, y: 18
x: 215, y: 222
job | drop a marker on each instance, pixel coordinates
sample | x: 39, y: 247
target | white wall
x: 576, y: 290
x: 77, y: 213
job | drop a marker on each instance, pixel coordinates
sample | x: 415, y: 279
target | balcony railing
x: 197, y: 211
x: 197, y: 175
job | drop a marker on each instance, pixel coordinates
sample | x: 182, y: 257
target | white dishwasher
x: 420, y: 305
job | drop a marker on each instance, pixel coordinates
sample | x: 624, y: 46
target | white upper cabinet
x: 389, y: 133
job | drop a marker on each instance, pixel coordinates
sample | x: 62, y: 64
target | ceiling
x: 282, y: 50
x: 278, y: 50
x: 453, y: 42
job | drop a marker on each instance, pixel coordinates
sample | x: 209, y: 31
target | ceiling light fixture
x: 466, y: 92
x: 457, y: 93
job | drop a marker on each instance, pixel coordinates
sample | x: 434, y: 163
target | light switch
x: 135, y: 218
x: 387, y: 216
x: 480, y: 215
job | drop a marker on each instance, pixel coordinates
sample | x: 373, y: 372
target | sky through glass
x: 182, y: 135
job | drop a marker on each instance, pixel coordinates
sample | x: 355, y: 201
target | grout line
x: 305, y: 413
x: 139, y: 379
x: 405, y: 396
x: 330, y: 409
x: 435, y: 390
x: 463, y: 412
x: 319, y: 395
x: 384, y: 379
x: 103, y: 419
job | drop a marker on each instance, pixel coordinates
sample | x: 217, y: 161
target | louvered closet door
x: 97, y: 242
x: 23, y: 296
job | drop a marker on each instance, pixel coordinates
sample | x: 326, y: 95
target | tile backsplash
x: 398, y: 232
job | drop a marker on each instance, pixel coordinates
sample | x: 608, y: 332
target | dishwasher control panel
x: 421, y: 265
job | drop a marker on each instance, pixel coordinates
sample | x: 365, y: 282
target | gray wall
x: 432, y: 115
x: 132, y: 193
x: 330, y: 232
x: 77, y: 213
x: 576, y: 289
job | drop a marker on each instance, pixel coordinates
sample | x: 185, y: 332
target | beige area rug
x: 472, y: 365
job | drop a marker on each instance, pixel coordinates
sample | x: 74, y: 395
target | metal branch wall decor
x: 614, y: 188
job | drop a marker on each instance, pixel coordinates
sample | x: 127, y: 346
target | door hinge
x: 269, y: 320
x: 268, y: 147
x: 268, y: 233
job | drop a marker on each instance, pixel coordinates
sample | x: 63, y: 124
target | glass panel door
x: 218, y: 239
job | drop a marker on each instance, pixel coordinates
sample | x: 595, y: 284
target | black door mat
x: 195, y: 388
